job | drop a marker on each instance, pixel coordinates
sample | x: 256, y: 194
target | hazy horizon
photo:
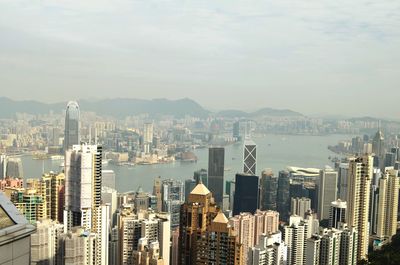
x: 322, y: 57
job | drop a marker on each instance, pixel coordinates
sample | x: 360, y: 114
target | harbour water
x: 273, y: 151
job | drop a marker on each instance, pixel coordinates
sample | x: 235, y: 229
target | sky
x: 314, y: 56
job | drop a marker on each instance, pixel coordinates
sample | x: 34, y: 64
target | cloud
x: 208, y: 50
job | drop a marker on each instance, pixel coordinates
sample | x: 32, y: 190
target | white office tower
x: 295, y: 235
x: 343, y: 179
x: 147, y: 137
x: 300, y: 206
x: 269, y: 251
x: 327, y: 192
x: 348, y: 245
x: 250, y: 157
x: 359, y: 181
x: 44, y: 242
x: 102, y: 231
x: 388, y: 205
x: 82, y: 186
x: 155, y: 227
x: 337, y: 213
x: 78, y: 247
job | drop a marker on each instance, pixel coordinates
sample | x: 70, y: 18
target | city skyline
x: 304, y: 56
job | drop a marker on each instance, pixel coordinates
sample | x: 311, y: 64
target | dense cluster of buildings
x: 300, y: 216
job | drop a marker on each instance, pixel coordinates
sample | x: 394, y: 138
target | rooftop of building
x: 200, y: 189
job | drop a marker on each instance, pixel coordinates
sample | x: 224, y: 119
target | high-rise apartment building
x: 77, y: 246
x: 72, y: 125
x: 216, y: 164
x: 155, y: 227
x: 246, y: 197
x: 327, y: 192
x: 268, y: 190
x: 388, y: 205
x: 44, y: 243
x: 250, y: 157
x: 300, y: 206
x: 269, y: 251
x: 172, y: 199
x: 359, y: 181
x: 82, y: 186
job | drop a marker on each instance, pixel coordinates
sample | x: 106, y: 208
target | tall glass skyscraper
x: 72, y: 125
x: 246, y: 197
x: 216, y: 161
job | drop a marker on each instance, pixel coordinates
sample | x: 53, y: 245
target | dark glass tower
x: 246, y: 197
x: 72, y: 125
x: 269, y: 188
x: 283, y: 200
x: 216, y: 161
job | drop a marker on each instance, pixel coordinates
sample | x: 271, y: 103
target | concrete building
x: 15, y: 234
x: 388, y: 205
x: 269, y: 251
x: 77, y: 246
x: 44, y: 243
x: 360, y: 174
x: 300, y: 206
x: 172, y: 198
x: 327, y: 192
x: 82, y: 186
x: 155, y: 227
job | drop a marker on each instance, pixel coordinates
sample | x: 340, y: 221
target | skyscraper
x: 359, y: 181
x: 388, y: 204
x: 246, y: 197
x: 72, y: 125
x: 378, y: 145
x: 342, y: 181
x: 196, y: 214
x: 205, y: 234
x: 249, y: 157
x: 283, y: 199
x: 300, y: 206
x: 147, y: 137
x: 327, y: 192
x: 3, y: 166
x: 82, y: 186
x: 172, y: 199
x: 337, y: 214
x: 268, y: 190
x: 216, y: 164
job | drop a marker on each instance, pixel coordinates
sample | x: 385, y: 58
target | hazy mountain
x: 122, y: 107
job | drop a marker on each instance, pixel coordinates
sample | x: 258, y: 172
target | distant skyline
x: 315, y: 57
